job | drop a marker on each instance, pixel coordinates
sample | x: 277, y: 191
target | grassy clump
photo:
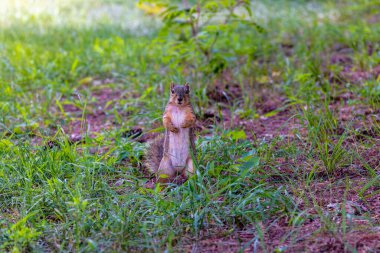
x: 64, y: 200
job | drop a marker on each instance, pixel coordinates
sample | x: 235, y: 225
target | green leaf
x: 211, y: 6
x: 249, y: 165
x: 271, y: 113
x: 74, y: 66
x: 237, y: 135
x: 4, y: 144
x: 164, y: 176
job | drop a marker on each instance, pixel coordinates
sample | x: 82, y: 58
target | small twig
x: 213, y: 43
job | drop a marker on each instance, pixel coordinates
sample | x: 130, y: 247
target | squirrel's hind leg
x: 189, y: 167
x: 165, y: 170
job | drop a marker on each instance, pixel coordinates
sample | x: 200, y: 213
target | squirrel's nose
x: 180, y: 99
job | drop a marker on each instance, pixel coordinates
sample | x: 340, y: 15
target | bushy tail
x: 154, y: 154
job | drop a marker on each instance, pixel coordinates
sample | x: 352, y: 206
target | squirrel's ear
x: 187, y: 87
x: 171, y: 86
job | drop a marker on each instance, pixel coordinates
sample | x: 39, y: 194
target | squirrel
x: 172, y: 154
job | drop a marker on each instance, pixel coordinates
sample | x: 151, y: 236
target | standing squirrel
x: 173, y: 153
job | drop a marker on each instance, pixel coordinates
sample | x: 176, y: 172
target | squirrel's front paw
x: 185, y: 125
x: 174, y: 129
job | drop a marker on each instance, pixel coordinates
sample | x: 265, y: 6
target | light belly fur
x: 179, y: 143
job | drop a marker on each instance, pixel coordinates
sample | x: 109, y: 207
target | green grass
x: 73, y: 199
x: 61, y: 195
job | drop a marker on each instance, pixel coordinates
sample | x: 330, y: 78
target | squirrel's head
x: 179, y: 94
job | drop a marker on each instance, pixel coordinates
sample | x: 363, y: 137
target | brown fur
x: 173, y: 153
x: 154, y: 153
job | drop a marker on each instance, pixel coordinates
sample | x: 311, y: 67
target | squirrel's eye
x: 172, y: 91
x: 187, y: 92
